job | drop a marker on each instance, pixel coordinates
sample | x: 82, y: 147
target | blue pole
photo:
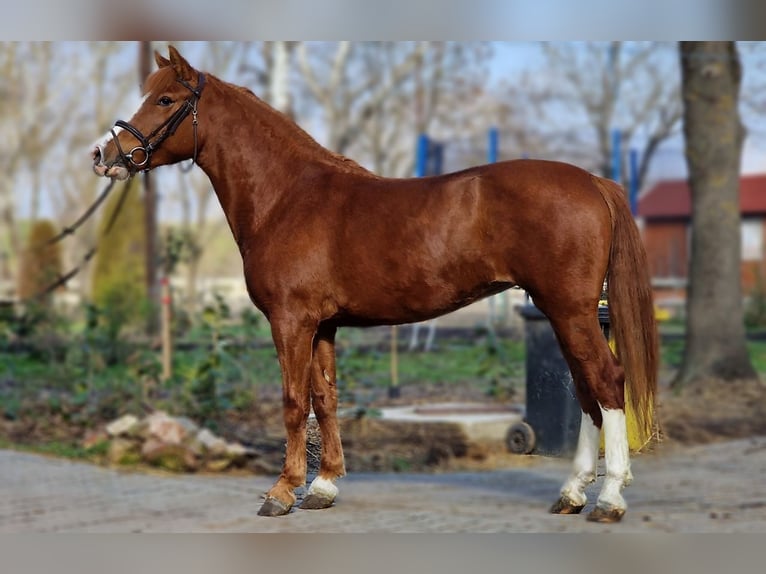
x: 633, y: 190
x: 494, y: 138
x: 616, y: 156
x: 421, y: 158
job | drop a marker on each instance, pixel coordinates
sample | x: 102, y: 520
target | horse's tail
x: 631, y: 307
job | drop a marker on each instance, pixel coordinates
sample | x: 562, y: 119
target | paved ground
x: 717, y: 488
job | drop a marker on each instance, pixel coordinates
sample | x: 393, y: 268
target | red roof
x: 671, y: 198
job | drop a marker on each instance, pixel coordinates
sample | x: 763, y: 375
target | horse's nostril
x: 97, y: 154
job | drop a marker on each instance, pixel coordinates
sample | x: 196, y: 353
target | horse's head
x: 163, y: 130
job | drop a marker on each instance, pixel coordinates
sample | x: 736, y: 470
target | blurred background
x: 98, y: 346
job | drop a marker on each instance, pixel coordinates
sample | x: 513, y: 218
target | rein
x: 69, y: 230
x: 161, y: 132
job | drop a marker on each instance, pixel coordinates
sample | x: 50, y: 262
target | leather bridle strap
x: 165, y: 129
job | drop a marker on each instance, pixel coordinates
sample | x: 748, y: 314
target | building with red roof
x: 666, y: 211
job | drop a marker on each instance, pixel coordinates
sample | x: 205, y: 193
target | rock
x: 218, y: 464
x: 123, y: 451
x: 235, y: 450
x: 170, y: 456
x: 213, y: 444
x: 93, y: 438
x: 265, y: 466
x: 165, y: 428
x: 195, y: 447
x: 121, y: 425
x: 139, y: 431
x: 188, y: 425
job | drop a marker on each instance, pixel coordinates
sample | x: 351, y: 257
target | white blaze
x: 107, y: 137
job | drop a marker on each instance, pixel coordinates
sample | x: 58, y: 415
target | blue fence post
x: 421, y: 159
x: 633, y: 189
x: 494, y: 137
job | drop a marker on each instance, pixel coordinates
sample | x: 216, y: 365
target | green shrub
x: 119, y: 273
x: 40, y: 264
x: 755, y: 306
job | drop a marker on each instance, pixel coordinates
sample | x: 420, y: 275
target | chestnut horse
x: 326, y: 243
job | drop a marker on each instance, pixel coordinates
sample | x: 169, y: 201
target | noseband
x: 151, y: 142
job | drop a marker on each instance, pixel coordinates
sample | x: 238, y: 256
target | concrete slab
x: 479, y: 421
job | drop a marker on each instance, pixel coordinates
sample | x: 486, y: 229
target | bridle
x: 162, y: 132
x: 148, y: 145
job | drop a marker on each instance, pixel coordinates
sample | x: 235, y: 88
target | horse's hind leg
x: 573, y: 497
x: 593, y: 365
x: 324, y: 399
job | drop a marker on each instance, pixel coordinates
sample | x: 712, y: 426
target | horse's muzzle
x: 115, y: 171
x: 97, y: 154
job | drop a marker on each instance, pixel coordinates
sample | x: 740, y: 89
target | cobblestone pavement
x: 718, y: 488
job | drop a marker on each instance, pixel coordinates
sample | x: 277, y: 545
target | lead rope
x: 62, y: 279
x: 82, y: 219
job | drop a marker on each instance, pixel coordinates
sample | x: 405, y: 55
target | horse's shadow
x: 523, y: 484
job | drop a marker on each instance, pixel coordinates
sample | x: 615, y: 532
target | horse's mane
x: 279, y: 124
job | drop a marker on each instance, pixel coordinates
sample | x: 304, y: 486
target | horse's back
x: 430, y: 245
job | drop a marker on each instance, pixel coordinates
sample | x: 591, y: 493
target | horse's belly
x: 415, y: 304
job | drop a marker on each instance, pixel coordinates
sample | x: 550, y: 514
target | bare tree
x: 375, y: 97
x: 715, y: 341
x: 587, y: 90
x: 9, y: 156
x: 44, y: 122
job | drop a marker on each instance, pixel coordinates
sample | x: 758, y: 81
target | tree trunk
x: 715, y: 342
x: 279, y: 87
x: 150, y: 213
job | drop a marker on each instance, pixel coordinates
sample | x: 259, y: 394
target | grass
x: 58, y: 449
x: 78, y: 383
x: 81, y: 385
x: 672, y: 353
x: 757, y: 351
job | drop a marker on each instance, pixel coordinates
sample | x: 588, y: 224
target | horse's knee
x: 609, y: 386
x: 296, y: 410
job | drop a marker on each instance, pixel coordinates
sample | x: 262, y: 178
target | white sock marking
x: 585, y: 462
x: 617, y: 458
x: 324, y: 488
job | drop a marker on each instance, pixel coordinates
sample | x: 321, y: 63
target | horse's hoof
x: 606, y: 515
x: 316, y: 502
x: 274, y: 507
x: 565, y: 506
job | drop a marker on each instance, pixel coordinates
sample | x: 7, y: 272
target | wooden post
x: 393, y: 390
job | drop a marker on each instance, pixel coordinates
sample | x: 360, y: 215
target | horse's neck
x: 253, y: 156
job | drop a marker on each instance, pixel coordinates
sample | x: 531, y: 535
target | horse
x: 325, y: 243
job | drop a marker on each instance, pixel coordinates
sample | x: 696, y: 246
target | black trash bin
x: 551, y: 425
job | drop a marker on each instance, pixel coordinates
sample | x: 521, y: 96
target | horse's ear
x: 162, y: 62
x: 183, y: 69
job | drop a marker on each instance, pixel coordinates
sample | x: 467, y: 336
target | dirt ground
x: 702, y: 414
x: 713, y: 411
x: 706, y: 413
x: 705, y: 475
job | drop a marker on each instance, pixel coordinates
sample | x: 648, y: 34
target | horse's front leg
x: 324, y: 399
x: 293, y: 340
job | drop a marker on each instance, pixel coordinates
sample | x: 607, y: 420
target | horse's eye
x: 164, y: 101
